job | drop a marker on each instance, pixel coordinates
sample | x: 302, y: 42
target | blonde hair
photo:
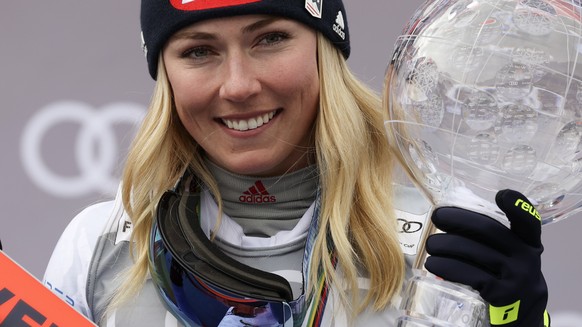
x: 354, y: 162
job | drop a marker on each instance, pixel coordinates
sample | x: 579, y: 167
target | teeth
x: 244, y: 125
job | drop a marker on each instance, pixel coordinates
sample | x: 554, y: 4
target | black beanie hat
x: 160, y: 19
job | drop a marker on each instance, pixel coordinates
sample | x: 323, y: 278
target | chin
x: 262, y: 163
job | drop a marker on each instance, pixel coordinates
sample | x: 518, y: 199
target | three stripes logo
x: 257, y: 194
x: 340, y: 25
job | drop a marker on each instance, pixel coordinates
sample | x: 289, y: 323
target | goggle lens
x: 198, y: 303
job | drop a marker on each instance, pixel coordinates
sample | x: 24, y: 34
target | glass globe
x: 484, y: 95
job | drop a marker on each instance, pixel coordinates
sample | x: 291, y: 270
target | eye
x: 197, y: 53
x: 273, y: 38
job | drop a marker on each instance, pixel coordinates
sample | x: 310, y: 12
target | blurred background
x: 74, y: 86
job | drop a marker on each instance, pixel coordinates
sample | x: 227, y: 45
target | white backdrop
x: 73, y: 84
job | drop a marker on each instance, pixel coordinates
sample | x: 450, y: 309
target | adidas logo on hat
x: 339, y: 25
x: 257, y: 194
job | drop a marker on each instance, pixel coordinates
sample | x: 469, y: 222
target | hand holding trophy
x: 483, y: 96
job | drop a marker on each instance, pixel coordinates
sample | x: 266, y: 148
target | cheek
x: 186, y: 112
x: 190, y: 107
x: 189, y: 100
x: 300, y: 79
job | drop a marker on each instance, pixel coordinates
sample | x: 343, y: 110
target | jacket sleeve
x: 67, y: 271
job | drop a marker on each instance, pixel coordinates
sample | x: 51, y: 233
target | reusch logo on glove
x: 504, y: 315
x: 207, y: 4
x: 528, y: 208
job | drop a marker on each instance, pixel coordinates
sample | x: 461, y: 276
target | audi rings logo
x: 408, y: 227
x: 96, y: 132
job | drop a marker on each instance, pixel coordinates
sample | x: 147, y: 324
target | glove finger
x: 524, y: 218
x: 473, y: 225
x: 468, y: 251
x: 459, y: 272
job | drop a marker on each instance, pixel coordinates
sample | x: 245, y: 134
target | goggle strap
x: 263, y: 283
x: 179, y: 222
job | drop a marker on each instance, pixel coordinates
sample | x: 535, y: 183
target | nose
x: 240, y: 79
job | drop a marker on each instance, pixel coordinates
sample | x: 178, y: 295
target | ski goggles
x: 202, y: 286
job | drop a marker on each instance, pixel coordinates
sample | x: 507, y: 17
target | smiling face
x: 246, y: 88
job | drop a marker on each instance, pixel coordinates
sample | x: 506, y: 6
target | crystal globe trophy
x: 484, y: 95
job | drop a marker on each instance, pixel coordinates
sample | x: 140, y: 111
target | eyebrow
x: 260, y: 24
x: 210, y: 36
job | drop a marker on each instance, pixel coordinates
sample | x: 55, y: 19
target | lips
x: 251, y: 123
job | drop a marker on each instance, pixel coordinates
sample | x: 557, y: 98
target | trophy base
x: 432, y: 302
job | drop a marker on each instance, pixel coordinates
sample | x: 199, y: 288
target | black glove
x: 503, y: 264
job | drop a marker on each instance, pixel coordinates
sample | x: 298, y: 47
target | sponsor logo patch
x: 124, y: 229
x: 314, y: 7
x: 207, y: 4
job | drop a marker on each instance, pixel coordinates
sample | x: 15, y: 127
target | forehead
x: 245, y: 23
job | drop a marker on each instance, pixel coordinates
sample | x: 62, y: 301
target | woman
x: 258, y: 190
